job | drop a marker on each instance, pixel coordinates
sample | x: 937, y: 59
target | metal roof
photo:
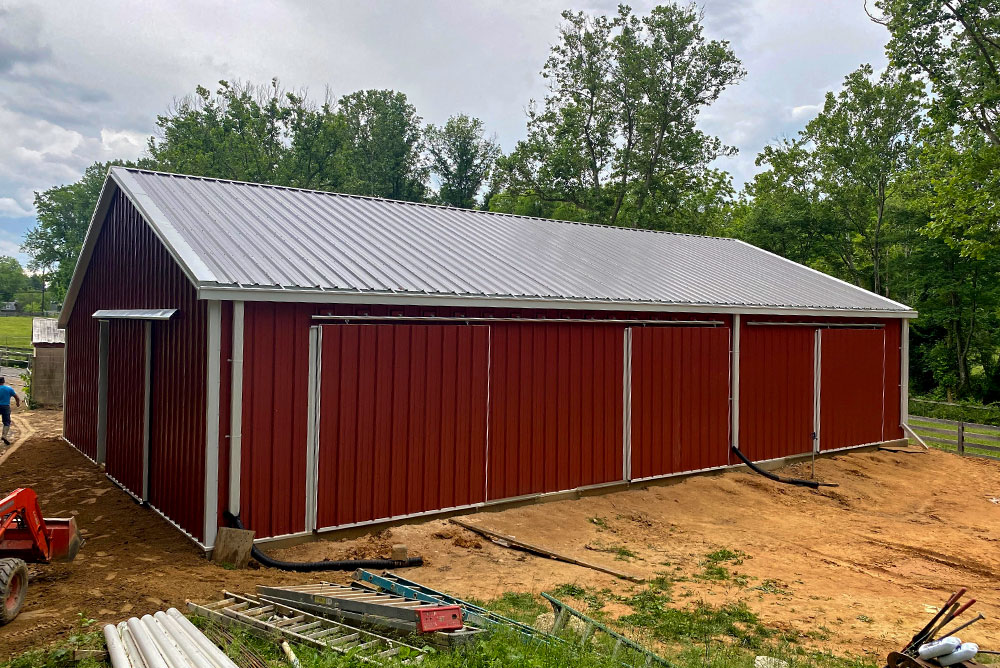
x: 46, y: 330
x: 240, y: 240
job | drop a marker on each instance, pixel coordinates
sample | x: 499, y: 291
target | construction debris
x: 441, y: 625
x: 509, y: 541
x: 481, y: 617
x: 932, y: 646
x: 622, y: 645
x: 163, y: 640
x: 273, y: 619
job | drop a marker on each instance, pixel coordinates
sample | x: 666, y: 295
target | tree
x: 461, y: 156
x: 956, y: 45
x: 616, y: 140
x: 12, y: 278
x: 383, y: 146
x: 63, y: 214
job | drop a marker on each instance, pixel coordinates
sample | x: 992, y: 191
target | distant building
x: 47, y: 369
x: 8, y: 306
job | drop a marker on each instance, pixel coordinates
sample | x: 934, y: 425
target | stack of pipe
x: 163, y: 640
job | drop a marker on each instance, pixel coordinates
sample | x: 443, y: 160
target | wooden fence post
x: 961, y: 438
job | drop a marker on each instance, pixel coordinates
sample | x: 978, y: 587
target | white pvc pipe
x: 134, y: 655
x: 144, y: 643
x: 207, y: 646
x: 168, y: 650
x: 116, y: 650
x: 192, y: 653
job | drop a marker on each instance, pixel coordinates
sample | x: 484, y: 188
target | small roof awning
x: 136, y: 314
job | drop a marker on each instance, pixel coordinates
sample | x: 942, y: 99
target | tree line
x: 892, y: 186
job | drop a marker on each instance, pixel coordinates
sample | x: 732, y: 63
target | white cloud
x: 79, y: 84
x: 805, y: 111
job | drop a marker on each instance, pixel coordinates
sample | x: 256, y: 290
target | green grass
x: 15, y: 331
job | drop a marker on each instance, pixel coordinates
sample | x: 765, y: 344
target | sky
x: 84, y: 81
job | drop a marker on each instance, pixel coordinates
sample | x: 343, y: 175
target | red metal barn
x: 313, y: 361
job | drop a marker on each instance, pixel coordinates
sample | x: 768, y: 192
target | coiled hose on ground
x: 814, y: 484
x: 310, y: 566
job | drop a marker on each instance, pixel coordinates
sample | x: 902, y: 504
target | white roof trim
x: 237, y: 293
x: 135, y: 314
x: 119, y: 178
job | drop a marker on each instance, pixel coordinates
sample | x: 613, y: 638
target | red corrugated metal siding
x: 852, y: 363
x: 555, y: 407
x: 893, y: 354
x: 776, y: 390
x: 131, y: 269
x: 126, y: 403
x: 680, y: 399
x: 275, y: 417
x: 402, y: 420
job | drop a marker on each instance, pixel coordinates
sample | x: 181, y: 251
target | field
x: 15, y: 331
x: 733, y: 565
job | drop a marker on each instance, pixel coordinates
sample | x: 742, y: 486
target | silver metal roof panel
x: 241, y: 238
x: 135, y: 314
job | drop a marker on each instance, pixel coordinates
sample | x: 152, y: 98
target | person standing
x: 6, y: 394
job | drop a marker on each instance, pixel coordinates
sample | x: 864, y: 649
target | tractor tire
x: 13, y: 587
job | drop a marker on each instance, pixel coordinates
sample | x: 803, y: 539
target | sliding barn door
x: 679, y: 399
x: 402, y: 420
x: 852, y: 387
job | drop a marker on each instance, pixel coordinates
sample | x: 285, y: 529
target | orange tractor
x: 26, y: 537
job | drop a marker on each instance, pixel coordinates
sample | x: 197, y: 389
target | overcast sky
x: 83, y: 81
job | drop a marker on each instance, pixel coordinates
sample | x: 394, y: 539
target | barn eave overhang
x: 213, y: 291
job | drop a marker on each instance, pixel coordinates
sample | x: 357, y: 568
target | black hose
x: 310, y: 566
x: 814, y: 484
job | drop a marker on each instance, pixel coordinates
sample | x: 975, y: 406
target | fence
x: 965, y: 438
x: 16, y: 357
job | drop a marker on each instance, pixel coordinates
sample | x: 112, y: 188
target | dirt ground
x: 853, y: 569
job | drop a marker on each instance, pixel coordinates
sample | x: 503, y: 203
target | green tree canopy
x: 461, y: 156
x: 616, y: 139
x: 12, y: 278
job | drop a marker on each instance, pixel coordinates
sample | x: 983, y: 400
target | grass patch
x: 621, y: 552
x: 15, y: 331
x: 713, y: 568
x: 599, y: 522
x: 521, y: 606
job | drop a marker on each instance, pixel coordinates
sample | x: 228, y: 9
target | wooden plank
x: 920, y: 418
x: 969, y: 435
x: 935, y: 430
x: 943, y: 441
x: 980, y: 446
x: 232, y: 546
x: 510, y: 541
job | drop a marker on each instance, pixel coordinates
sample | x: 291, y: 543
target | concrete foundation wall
x: 47, y: 376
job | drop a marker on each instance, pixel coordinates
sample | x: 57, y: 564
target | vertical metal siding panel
x: 281, y: 383
x: 478, y: 414
x: 130, y: 268
x: 556, y: 399
x: 679, y: 399
x: 329, y: 425
x: 386, y: 350
x: 395, y: 391
x: 776, y: 393
x: 893, y: 362
x: 126, y: 404
x: 851, y: 381
x: 399, y: 464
